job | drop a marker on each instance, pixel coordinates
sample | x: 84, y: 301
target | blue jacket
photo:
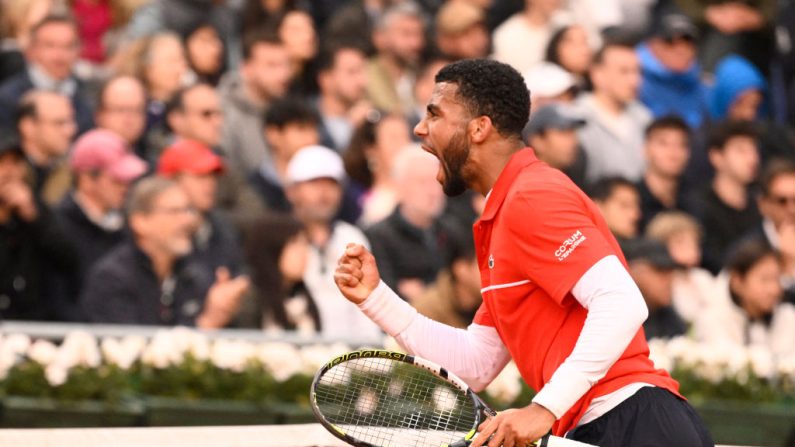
x: 733, y: 76
x: 666, y: 92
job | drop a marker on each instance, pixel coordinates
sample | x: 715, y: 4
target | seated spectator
x: 671, y: 75
x: 533, y: 26
x: 694, y: 288
x: 729, y: 209
x: 46, y: 125
x: 91, y: 214
x: 410, y: 244
x: 570, y: 48
x: 549, y: 84
x: 552, y: 133
x: 399, y: 38
x: 150, y: 279
x: 652, y: 268
x: 342, y: 103
x: 205, y: 53
x: 32, y: 246
x: 314, y: 188
x: 369, y: 160
x: 246, y: 93
x: 615, y: 118
x: 19, y: 16
x: 454, y: 297
x: 121, y: 108
x: 753, y: 314
x: 50, y: 59
x: 196, y: 169
x: 667, y: 148
x: 461, y: 31
x: 619, y: 201
x: 296, y: 29
x: 277, y: 250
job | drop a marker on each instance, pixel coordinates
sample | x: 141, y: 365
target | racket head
x: 380, y: 398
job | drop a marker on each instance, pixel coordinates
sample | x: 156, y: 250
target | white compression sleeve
x: 616, y: 310
x: 476, y: 354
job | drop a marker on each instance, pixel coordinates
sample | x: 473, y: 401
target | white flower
x: 42, y: 352
x: 79, y: 348
x: 118, y: 353
x: 162, y: 352
x: 367, y: 402
x: 8, y: 358
x: 56, y: 374
x: 17, y: 343
x: 281, y: 359
x: 659, y: 354
x: 506, y: 386
x: 444, y: 399
x: 762, y: 362
x: 232, y: 354
x: 315, y: 356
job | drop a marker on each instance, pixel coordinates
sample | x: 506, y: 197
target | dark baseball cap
x: 672, y: 26
x: 553, y: 116
x: 650, y: 250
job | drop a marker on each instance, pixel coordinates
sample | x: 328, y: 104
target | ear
x: 176, y: 121
x: 26, y: 126
x: 480, y: 129
x: 715, y: 157
x: 138, y: 223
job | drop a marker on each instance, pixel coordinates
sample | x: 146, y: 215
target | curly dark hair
x: 493, y: 89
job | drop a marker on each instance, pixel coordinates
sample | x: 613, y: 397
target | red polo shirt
x: 538, y: 235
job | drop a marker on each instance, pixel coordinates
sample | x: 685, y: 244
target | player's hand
x: 516, y: 427
x: 356, y: 275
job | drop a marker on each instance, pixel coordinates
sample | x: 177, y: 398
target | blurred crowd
x: 205, y: 162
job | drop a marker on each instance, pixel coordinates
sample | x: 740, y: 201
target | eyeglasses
x: 783, y: 200
x: 174, y: 210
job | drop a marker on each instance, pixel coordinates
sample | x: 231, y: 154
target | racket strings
x: 389, y: 403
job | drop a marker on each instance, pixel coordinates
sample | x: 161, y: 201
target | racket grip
x: 555, y: 441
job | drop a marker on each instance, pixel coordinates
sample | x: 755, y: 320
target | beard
x: 452, y: 161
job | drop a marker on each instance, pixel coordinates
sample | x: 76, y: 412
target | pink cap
x: 104, y: 151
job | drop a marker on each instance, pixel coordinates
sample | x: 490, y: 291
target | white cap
x: 314, y: 162
x: 548, y: 80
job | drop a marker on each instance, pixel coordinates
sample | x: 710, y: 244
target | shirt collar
x: 496, y: 196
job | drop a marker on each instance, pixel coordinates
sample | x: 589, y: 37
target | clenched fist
x: 357, y: 274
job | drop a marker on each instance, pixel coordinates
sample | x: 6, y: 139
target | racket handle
x: 555, y: 441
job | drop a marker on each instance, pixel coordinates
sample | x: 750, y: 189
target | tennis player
x: 557, y: 297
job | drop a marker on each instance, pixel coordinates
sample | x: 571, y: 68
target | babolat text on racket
x: 379, y: 398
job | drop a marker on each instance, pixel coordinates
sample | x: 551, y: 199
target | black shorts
x: 651, y: 417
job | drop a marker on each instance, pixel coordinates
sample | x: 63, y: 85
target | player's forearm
x: 616, y: 311
x: 476, y: 355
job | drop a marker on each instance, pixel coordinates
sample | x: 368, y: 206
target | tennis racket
x: 378, y: 398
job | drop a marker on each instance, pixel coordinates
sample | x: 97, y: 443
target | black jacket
x: 122, y: 288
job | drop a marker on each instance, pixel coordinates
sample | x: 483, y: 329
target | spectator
x: 121, y: 108
x: 256, y: 14
x: 289, y: 126
x: 150, y: 279
x: 729, y: 208
x: 423, y: 89
x: 19, y: 16
x: 315, y: 175
x: 753, y: 314
x: 399, y: 38
x: 355, y: 22
x: 96, y: 19
x: 454, y: 297
x: 694, y: 289
x: 368, y: 161
x: 552, y: 133
x: 342, y: 104
x: 50, y: 58
x: 411, y: 243
x: 777, y: 207
x: 619, y: 201
x: 195, y: 167
x: 570, y: 48
x: 615, y: 118
x: 46, y: 125
x: 671, y: 75
x: 206, y: 53
x: 32, y: 246
x: 667, y: 148
x: 549, y: 84
x: 461, y: 31
x: 159, y: 62
x: 194, y: 113
x: 652, y: 268
x: 533, y: 26
x: 297, y: 30
x: 91, y: 214
x: 263, y: 77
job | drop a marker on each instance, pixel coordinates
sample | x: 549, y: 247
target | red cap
x: 189, y: 157
x: 103, y: 150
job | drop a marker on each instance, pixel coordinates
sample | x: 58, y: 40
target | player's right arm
x: 476, y: 354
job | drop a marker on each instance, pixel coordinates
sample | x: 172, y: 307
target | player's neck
x: 491, y: 159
